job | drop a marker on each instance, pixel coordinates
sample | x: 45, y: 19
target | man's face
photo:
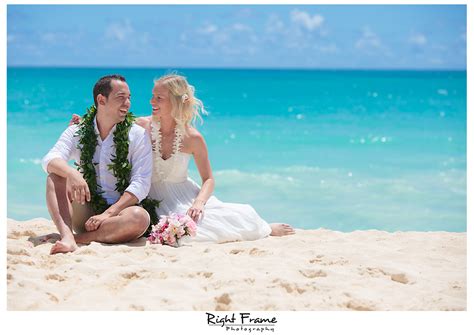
x: 117, y: 105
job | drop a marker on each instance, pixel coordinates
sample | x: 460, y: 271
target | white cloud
x: 274, y: 24
x: 233, y: 39
x: 306, y: 20
x: 49, y: 37
x: 330, y: 48
x: 119, y: 31
x: 208, y: 29
x: 221, y: 38
x: 418, y: 39
x: 235, y: 50
x: 368, y: 40
x: 299, y: 30
x: 371, y: 44
x: 241, y: 27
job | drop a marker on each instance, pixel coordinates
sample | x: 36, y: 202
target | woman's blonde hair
x: 186, y: 108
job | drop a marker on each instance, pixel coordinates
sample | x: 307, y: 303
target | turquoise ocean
x: 343, y: 150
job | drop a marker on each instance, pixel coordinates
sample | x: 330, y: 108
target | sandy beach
x: 319, y: 270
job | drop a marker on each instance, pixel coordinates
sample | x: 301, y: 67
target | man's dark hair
x: 103, y: 86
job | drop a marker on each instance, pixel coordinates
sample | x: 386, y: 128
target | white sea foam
x: 347, y: 199
x: 35, y: 161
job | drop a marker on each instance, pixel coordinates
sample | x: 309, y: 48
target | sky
x: 238, y: 36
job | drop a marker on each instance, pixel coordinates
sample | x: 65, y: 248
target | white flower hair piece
x: 184, y: 97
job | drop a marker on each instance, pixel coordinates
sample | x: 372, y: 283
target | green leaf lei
x: 120, y: 167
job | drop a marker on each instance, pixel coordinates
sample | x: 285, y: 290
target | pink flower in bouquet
x: 191, y: 227
x: 171, y: 239
x: 170, y: 229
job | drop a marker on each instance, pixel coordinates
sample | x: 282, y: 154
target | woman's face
x: 160, y: 101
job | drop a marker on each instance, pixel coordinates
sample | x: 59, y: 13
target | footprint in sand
x: 223, y: 302
x: 21, y: 261
x: 19, y: 233
x: 456, y: 285
x: 204, y: 274
x: 357, y: 305
x: 373, y: 272
x: 290, y: 288
x: 257, y: 252
x: 377, y: 272
x: 136, y: 307
x: 308, y: 273
x: 269, y: 307
x: 16, y: 250
x: 86, y: 251
x: 160, y: 275
x: 52, y: 297
x: 400, y: 278
x: 55, y: 276
x: 319, y: 259
x: 236, y: 251
x: 130, y: 275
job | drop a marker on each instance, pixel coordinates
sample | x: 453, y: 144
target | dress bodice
x: 175, y: 168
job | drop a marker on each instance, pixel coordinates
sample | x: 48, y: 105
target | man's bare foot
x: 281, y: 229
x: 63, y: 246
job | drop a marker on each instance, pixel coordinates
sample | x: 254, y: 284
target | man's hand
x: 95, y: 221
x: 79, y: 190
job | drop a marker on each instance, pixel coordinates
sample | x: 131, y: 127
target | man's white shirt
x: 139, y: 155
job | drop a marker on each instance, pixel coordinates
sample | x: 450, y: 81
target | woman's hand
x: 76, y: 119
x: 95, y: 221
x: 196, y: 210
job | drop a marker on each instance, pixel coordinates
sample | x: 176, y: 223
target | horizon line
x: 235, y: 68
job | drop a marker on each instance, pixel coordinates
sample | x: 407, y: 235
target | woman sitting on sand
x: 175, y: 141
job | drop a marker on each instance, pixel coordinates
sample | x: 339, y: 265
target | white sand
x: 311, y: 270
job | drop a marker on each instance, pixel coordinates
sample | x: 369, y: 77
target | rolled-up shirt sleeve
x: 141, y: 159
x: 64, y: 147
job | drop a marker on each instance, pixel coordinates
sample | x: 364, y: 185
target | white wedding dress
x: 221, y: 222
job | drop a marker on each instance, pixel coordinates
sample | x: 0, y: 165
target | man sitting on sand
x: 104, y: 149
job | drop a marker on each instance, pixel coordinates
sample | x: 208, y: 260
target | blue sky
x: 268, y: 36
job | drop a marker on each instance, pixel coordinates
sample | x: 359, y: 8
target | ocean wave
x: 340, y: 181
x: 266, y: 179
x: 35, y: 161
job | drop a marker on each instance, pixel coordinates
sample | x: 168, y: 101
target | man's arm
x: 126, y: 200
x: 141, y: 160
x: 79, y: 189
x: 56, y: 160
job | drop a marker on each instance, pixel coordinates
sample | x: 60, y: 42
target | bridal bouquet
x: 170, y: 229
